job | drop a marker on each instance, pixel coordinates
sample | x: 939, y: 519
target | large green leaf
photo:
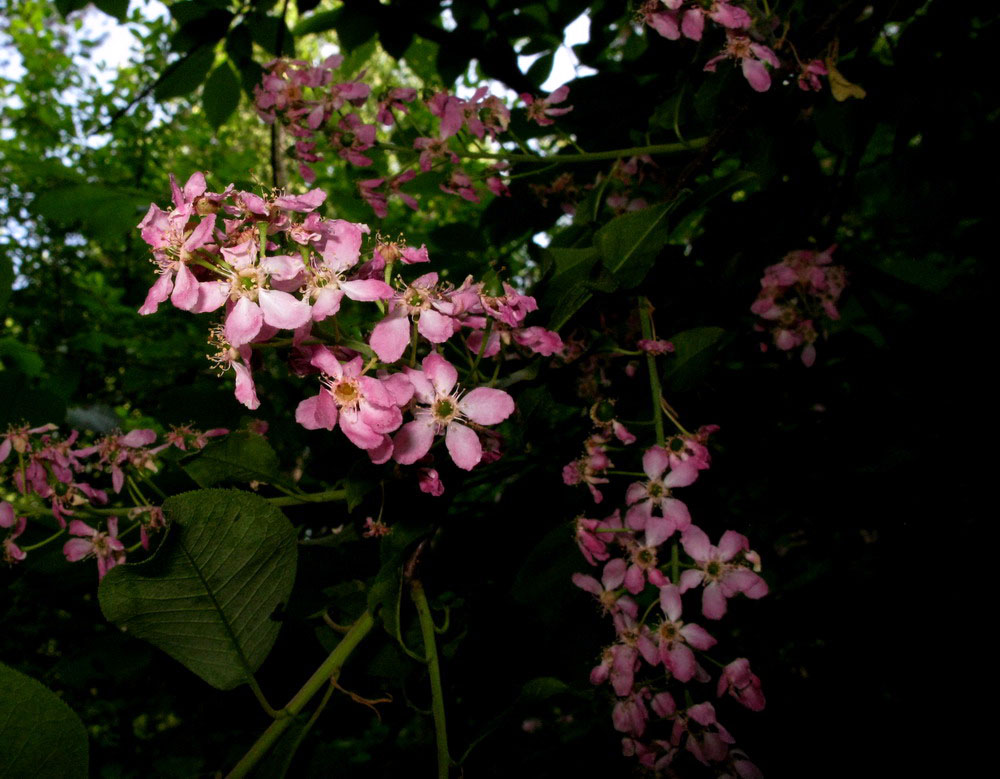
x: 221, y: 94
x: 186, y: 74
x: 42, y: 737
x: 115, y: 8
x: 207, y: 596
x: 238, y: 457
x: 694, y: 352
x: 317, y: 22
x: 629, y: 243
x: 568, y: 289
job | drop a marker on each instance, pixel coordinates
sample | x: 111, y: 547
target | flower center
x: 445, y: 410
x: 644, y: 557
x: 346, y: 392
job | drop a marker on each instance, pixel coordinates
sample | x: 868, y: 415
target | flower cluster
x: 321, y: 109
x: 797, y: 293
x: 273, y: 263
x: 745, y: 35
x: 58, y: 475
x: 641, y: 573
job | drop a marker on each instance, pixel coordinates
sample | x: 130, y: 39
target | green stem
x: 482, y: 347
x: 593, y: 156
x: 437, y: 695
x: 149, y: 481
x: 328, y: 670
x: 413, y: 344
x: 263, y: 701
x: 40, y: 544
x: 654, y: 377
x: 675, y: 565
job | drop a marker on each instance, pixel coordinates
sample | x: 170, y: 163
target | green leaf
x: 568, y: 289
x: 29, y: 363
x: 66, y: 7
x: 42, y: 737
x: 221, y: 94
x: 707, y: 192
x: 629, y: 243
x: 694, y: 351
x: 207, y: 596
x: 272, y: 35
x: 185, y: 75
x: 239, y: 44
x: 238, y: 457
x: 116, y: 8
x: 318, y: 22
x: 421, y: 56
x: 355, y: 29
x: 543, y: 687
x: 540, y: 69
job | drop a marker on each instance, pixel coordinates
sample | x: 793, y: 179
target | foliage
x: 823, y: 468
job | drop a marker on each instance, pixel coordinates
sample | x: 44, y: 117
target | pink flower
x: 592, y: 542
x: 448, y: 411
x: 339, y: 245
x: 226, y: 357
x: 257, y: 303
x: 655, y: 347
x: 630, y: 715
x: 395, y: 99
x: 105, y: 546
x: 459, y: 183
x: 657, y: 492
x: 690, y: 449
x: 809, y: 75
x: 432, y: 149
x: 707, y: 740
x: 352, y: 138
x: 607, y: 590
x: 722, y: 578
x: 430, y: 482
x: 364, y: 407
x: 752, y: 57
x: 739, y: 681
x: 421, y: 298
x: 15, y: 525
x: 675, y: 638
x: 540, y: 109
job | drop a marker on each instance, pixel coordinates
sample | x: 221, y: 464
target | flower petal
x: 463, y: 446
x: 487, y: 406
x: 283, y: 310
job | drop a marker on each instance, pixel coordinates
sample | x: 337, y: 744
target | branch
x: 330, y: 669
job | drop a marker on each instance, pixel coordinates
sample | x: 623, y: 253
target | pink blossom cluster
x: 273, y: 263
x: 307, y: 99
x: 674, y: 19
x: 797, y: 293
x: 59, y: 475
x: 318, y: 108
x: 648, y: 561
